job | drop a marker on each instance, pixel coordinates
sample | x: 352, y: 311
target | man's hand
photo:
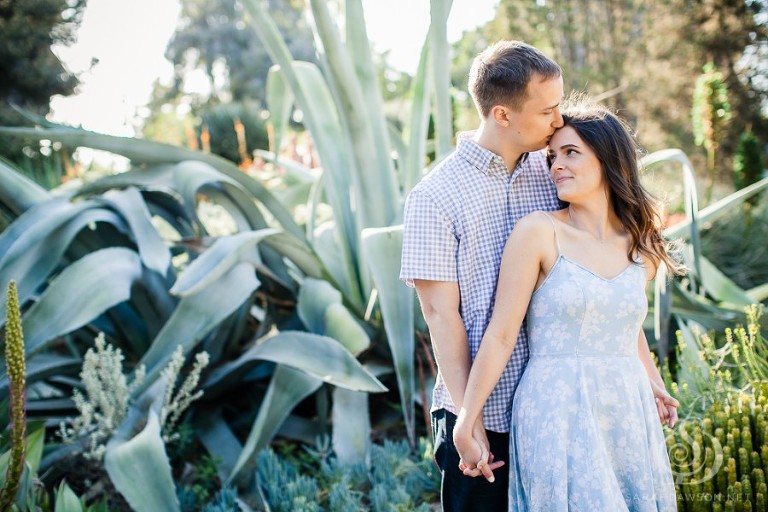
x: 666, y: 405
x: 475, y: 458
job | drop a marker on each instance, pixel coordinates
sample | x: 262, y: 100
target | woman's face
x: 574, y: 167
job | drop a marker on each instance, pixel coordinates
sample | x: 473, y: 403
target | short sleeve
x: 430, y: 243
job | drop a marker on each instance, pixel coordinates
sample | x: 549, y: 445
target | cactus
x: 16, y: 370
x: 732, y: 457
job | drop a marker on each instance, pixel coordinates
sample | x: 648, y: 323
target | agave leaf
x: 314, y: 298
x: 719, y: 286
x: 298, y: 171
x: 79, y: 294
x: 758, y: 293
x: 321, y: 118
x: 299, y: 253
x: 197, y: 315
x: 134, y: 210
x: 42, y: 366
x: 219, y: 259
x: 35, y: 444
x: 320, y: 356
x: 219, y: 441
x: 342, y: 326
x: 351, y: 426
x: 662, y: 315
x: 359, y: 104
x: 17, y: 192
x: 280, y: 104
x: 383, y: 247
x: 691, y: 368
x: 141, y: 151
x: 66, y: 499
x: 287, y: 388
x: 139, y: 469
x: 419, y: 123
x: 439, y: 51
x: 35, y: 253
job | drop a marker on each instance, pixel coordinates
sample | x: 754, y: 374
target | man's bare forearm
x: 449, y: 342
x: 440, y: 305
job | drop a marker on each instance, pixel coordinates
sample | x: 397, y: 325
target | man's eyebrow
x: 553, y: 106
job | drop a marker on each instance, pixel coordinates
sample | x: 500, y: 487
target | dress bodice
x: 575, y: 311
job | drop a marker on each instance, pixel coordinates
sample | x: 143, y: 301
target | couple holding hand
x: 531, y: 247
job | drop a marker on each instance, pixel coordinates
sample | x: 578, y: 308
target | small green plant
x: 106, y: 400
x: 748, y: 162
x: 16, y: 371
x: 175, y: 405
x: 397, y: 480
x: 108, y: 396
x: 721, y: 366
x: 711, y: 112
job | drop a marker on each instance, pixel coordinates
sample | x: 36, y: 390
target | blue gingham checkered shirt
x: 457, y: 220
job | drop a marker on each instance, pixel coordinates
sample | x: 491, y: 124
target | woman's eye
x: 571, y: 152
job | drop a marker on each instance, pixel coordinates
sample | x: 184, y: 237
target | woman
x: 585, y: 431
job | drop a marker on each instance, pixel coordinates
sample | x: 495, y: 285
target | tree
x: 639, y: 57
x: 213, y: 37
x: 30, y: 73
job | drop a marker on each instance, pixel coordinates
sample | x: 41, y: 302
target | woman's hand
x: 666, y: 405
x: 475, y: 458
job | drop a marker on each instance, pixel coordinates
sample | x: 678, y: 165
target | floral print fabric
x: 585, y: 433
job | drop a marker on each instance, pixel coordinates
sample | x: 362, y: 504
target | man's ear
x: 499, y: 114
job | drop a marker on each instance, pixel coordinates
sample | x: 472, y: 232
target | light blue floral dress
x: 585, y: 433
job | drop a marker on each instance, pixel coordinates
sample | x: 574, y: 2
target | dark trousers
x: 460, y: 493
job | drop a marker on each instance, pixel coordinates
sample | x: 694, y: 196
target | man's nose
x: 558, y: 121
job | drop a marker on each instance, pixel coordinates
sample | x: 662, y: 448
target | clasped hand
x: 666, y: 405
x: 475, y: 457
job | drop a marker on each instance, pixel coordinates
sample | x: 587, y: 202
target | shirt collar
x: 484, y: 160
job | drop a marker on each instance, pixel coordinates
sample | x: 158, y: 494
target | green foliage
x: 203, y: 484
x: 30, y: 73
x: 225, y: 501
x: 711, y: 108
x: 106, y: 402
x: 398, y: 479
x: 730, y: 243
x: 212, y: 37
x: 16, y: 370
x: 748, y: 162
x: 720, y: 460
x: 222, y: 122
x: 710, y: 114
x: 719, y: 452
x: 716, y: 366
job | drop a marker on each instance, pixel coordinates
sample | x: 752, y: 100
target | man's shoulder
x: 443, y: 177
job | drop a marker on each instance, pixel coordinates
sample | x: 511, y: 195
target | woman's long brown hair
x: 615, y: 147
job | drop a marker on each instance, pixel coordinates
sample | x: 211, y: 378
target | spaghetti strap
x: 554, y: 227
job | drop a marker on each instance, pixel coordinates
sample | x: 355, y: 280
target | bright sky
x: 129, y: 40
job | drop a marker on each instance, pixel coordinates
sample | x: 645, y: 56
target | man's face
x: 531, y: 127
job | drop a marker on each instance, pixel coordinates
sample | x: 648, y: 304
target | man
x: 457, y: 220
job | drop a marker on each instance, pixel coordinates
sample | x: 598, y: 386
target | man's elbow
x: 439, y: 314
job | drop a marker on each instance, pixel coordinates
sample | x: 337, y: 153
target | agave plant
x: 91, y: 258
x: 704, y: 299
